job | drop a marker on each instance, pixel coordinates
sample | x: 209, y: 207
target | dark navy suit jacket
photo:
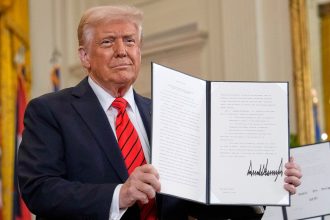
x: 69, y: 162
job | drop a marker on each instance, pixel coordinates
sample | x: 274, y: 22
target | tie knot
x: 120, y: 104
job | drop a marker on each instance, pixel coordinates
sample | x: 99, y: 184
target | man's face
x: 113, y: 56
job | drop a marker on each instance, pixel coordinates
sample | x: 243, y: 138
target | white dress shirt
x: 106, y: 100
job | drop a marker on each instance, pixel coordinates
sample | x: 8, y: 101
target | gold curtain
x: 14, y: 34
x: 302, y: 72
x: 325, y: 40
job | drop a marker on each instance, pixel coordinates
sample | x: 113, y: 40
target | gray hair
x: 101, y: 14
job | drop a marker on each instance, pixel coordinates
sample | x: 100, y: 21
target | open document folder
x: 220, y: 142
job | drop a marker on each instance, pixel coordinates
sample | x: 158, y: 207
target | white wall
x: 212, y: 39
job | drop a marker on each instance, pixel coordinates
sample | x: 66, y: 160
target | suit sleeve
x: 42, y: 171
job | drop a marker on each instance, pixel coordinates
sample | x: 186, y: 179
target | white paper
x: 276, y: 213
x: 313, y: 195
x: 249, y: 129
x: 179, y: 133
x: 273, y: 213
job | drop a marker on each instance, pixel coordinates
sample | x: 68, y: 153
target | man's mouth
x: 119, y: 66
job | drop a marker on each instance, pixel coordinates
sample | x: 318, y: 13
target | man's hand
x: 141, y: 185
x: 293, y: 175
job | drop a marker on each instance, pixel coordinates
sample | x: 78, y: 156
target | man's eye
x: 106, y: 42
x: 130, y: 41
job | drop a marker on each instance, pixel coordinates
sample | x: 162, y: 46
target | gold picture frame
x: 302, y: 72
x: 310, y: 31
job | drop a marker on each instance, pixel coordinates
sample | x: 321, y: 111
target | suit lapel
x: 144, y: 106
x: 90, y: 110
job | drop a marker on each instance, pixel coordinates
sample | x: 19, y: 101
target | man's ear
x: 84, y: 59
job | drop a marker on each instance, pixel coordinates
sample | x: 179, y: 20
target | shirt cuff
x: 115, y: 212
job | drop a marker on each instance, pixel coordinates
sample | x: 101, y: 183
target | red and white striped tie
x: 131, y: 149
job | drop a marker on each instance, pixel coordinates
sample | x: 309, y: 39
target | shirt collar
x: 106, y: 99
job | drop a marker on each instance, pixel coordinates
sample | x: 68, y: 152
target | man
x: 73, y: 162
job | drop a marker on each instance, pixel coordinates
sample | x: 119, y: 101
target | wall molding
x: 184, y: 36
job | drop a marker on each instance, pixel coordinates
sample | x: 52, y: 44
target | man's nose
x: 120, y: 48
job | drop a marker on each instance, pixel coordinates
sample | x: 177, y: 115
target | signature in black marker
x: 264, y: 171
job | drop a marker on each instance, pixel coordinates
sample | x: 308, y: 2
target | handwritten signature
x: 264, y: 171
